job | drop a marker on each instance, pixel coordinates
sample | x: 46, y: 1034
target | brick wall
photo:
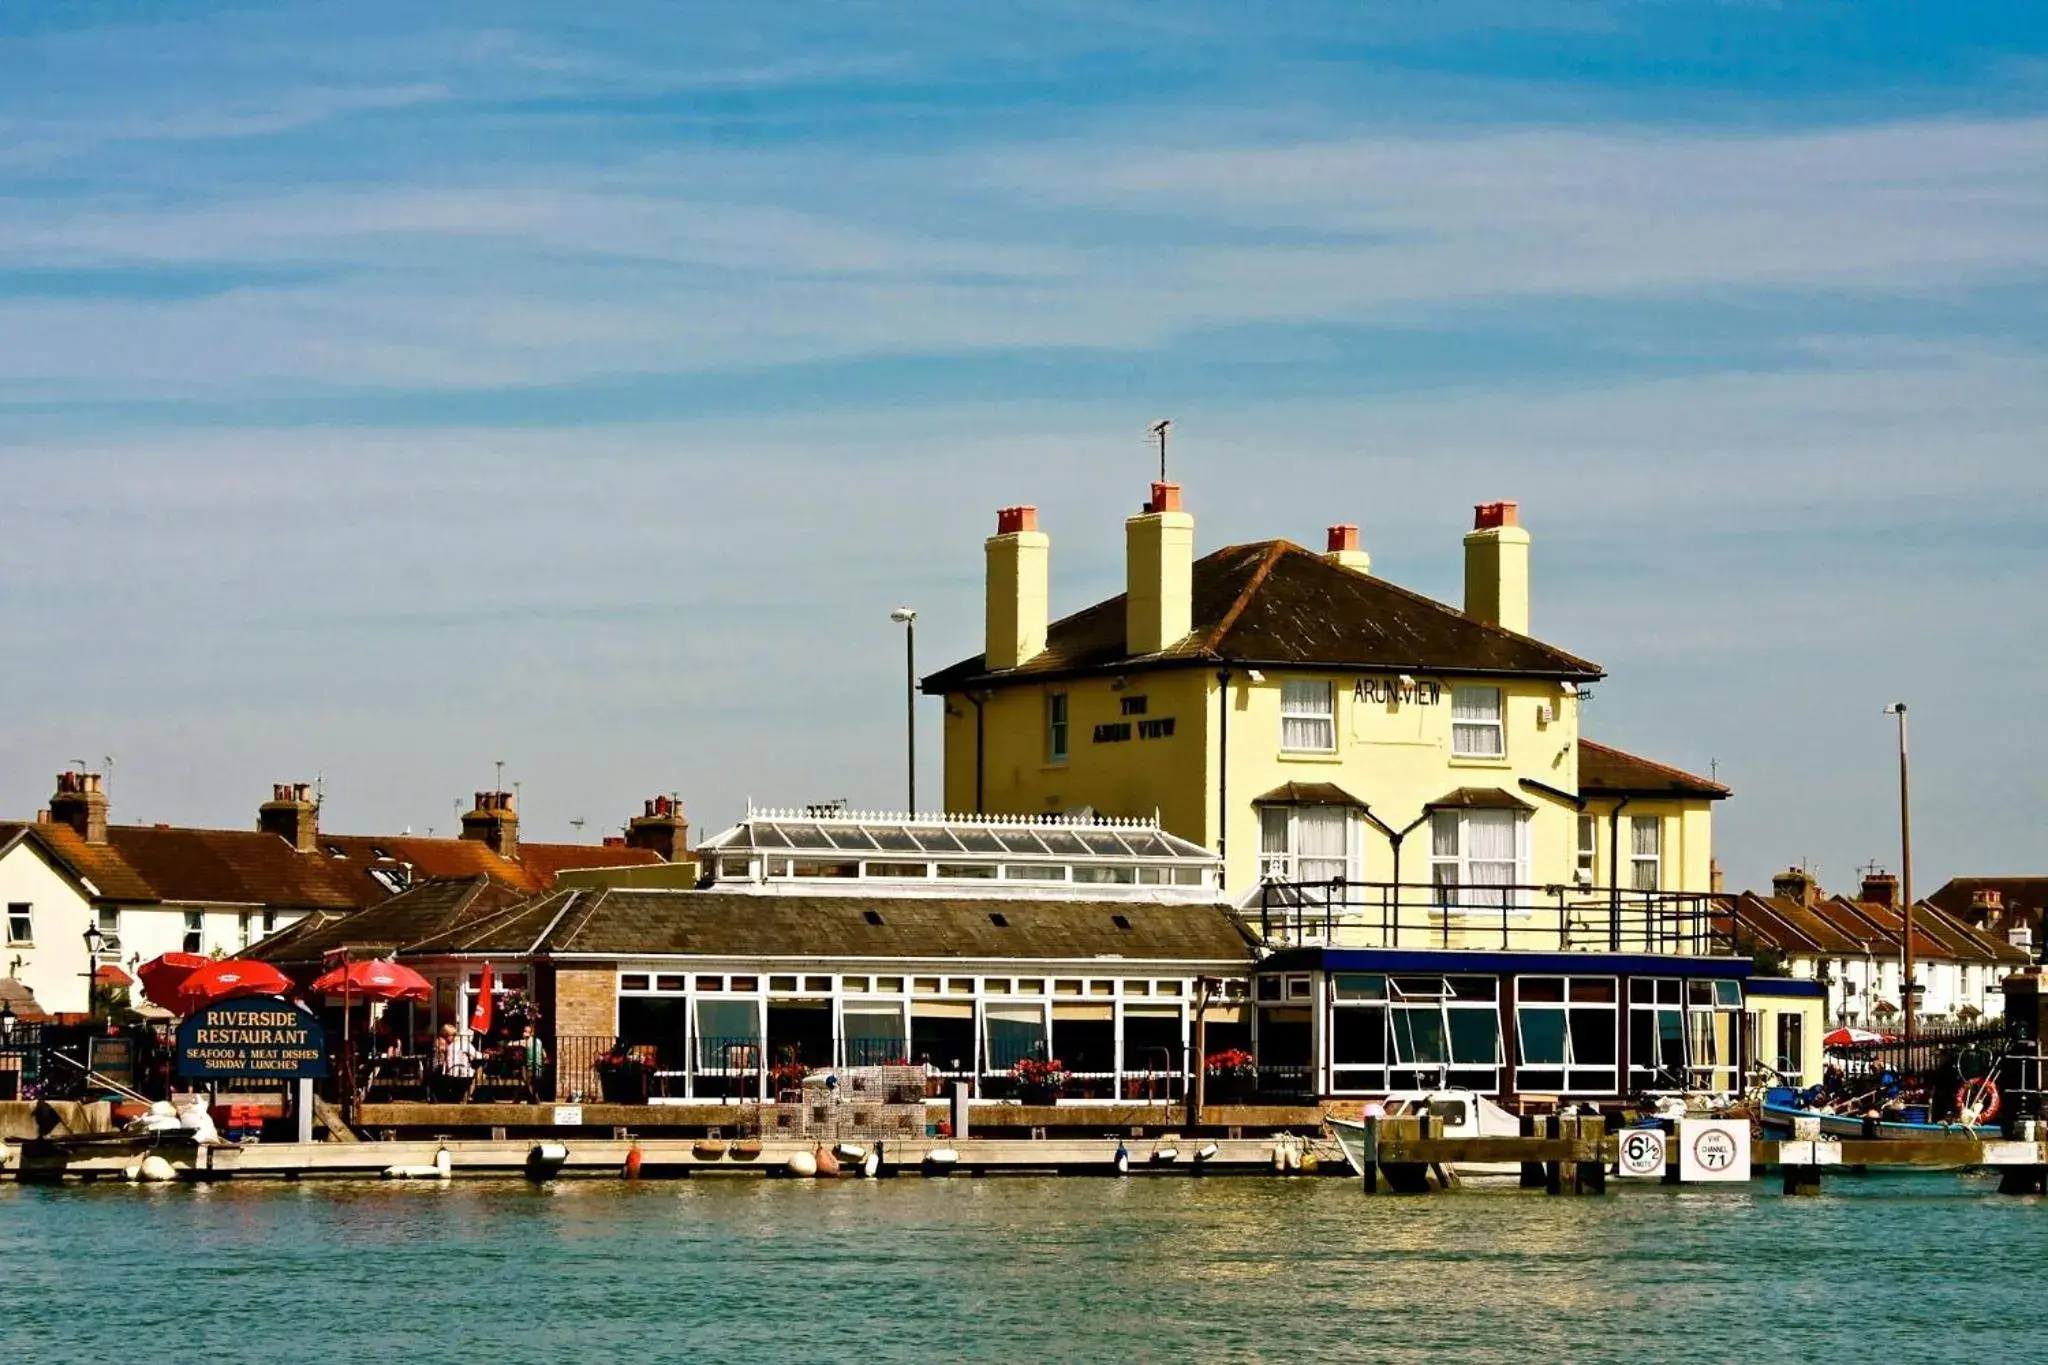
x: 586, y: 1007
x: 587, y: 1000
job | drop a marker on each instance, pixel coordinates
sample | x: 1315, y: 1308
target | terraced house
x: 87, y: 899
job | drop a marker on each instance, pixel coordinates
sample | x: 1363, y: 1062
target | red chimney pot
x: 1343, y: 538
x: 1165, y: 498
x: 1011, y: 520
x: 1489, y: 515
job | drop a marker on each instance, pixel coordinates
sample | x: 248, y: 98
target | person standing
x: 454, y: 1065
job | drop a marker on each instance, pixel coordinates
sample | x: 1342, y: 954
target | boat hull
x: 1778, y: 1119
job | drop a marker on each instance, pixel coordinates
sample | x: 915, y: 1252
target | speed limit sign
x: 1642, y: 1153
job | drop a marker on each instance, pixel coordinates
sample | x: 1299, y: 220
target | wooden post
x: 1533, y: 1177
x: 1369, y: 1163
x: 1593, y: 1174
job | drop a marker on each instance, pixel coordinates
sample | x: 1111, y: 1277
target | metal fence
x: 1445, y: 915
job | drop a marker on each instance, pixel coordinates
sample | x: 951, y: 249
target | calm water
x: 1015, y: 1269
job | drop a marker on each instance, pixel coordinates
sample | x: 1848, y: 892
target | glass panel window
x: 1308, y: 717
x: 1567, y: 1034
x: 1476, y: 857
x: 1307, y: 844
x: 195, y: 931
x: 1646, y: 852
x: 21, y: 924
x: 1589, y: 849
x: 1056, y: 727
x: 1476, y: 729
x: 1791, y: 1057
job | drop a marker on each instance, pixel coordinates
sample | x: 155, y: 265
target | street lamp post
x: 1898, y: 708
x: 907, y: 618
x: 93, y: 939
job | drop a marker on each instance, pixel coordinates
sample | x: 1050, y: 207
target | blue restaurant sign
x: 253, y: 1038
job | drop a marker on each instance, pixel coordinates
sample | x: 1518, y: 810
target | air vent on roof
x: 1120, y: 921
x: 872, y: 916
x: 997, y: 918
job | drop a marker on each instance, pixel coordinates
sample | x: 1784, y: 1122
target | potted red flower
x: 1040, y: 1080
x: 1232, y: 1075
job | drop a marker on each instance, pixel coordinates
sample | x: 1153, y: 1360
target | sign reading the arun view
x: 253, y: 1038
x: 1397, y: 692
x: 1141, y: 726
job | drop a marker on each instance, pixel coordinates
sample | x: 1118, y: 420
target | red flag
x: 480, y: 1015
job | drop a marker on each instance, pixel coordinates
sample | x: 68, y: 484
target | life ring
x: 1977, y: 1101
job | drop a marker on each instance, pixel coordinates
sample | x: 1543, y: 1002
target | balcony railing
x: 1526, y: 917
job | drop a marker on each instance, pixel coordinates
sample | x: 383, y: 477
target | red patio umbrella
x: 1849, y: 1037
x: 375, y: 981
x: 228, y: 978
x: 161, y: 976
x: 480, y: 1017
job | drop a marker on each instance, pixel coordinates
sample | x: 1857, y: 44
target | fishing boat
x: 1778, y: 1114
x: 1465, y: 1114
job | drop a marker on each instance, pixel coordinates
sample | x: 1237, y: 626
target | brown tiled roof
x: 19, y: 998
x: 245, y: 867
x: 1307, y: 794
x: 731, y: 924
x: 427, y: 908
x: 2024, y: 897
x: 534, y: 870
x: 1606, y: 771
x: 1274, y: 604
x: 1479, y: 798
x: 1785, y: 924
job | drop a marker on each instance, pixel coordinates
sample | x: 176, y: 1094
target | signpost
x: 1642, y: 1153
x: 1713, y: 1150
x: 252, y: 1038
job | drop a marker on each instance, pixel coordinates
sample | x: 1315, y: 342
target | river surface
x: 1016, y: 1269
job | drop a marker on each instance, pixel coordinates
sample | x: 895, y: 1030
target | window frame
x: 24, y: 911
x: 1511, y: 900
x: 1589, y: 850
x: 1638, y: 861
x: 1578, y: 1078
x: 1059, y: 729
x: 1326, y: 717
x: 1284, y: 864
x: 1463, y: 728
x: 193, y: 939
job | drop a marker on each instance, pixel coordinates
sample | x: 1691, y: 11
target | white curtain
x: 1307, y: 717
x: 1321, y: 841
x: 1475, y: 722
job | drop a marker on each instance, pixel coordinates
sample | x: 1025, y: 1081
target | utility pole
x: 1898, y: 708
x: 907, y: 618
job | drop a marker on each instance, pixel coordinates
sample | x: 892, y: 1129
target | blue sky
x: 390, y: 389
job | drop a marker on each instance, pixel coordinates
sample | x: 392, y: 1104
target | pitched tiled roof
x: 533, y: 870
x: 1307, y: 794
x: 245, y: 867
x: 1605, y: 771
x: 2022, y: 897
x: 726, y: 924
x: 22, y: 1001
x: 1840, y: 927
x: 424, y: 909
x: 1274, y: 604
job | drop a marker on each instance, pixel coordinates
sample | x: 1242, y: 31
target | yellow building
x: 1319, y: 726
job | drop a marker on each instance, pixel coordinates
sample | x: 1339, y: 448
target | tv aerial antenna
x: 1158, y: 431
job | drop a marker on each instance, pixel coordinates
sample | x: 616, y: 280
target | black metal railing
x: 1548, y: 918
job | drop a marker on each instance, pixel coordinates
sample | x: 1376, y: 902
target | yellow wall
x: 1132, y: 777
x: 1393, y: 752
x: 1768, y: 1009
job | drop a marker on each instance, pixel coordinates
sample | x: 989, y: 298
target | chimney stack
x: 494, y: 823
x: 1987, y: 907
x: 1019, y: 555
x: 292, y: 816
x: 1343, y: 549
x: 1880, y: 888
x: 1497, y: 568
x: 661, y: 828
x: 81, y: 803
x: 1797, y: 885
x: 1159, y: 573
